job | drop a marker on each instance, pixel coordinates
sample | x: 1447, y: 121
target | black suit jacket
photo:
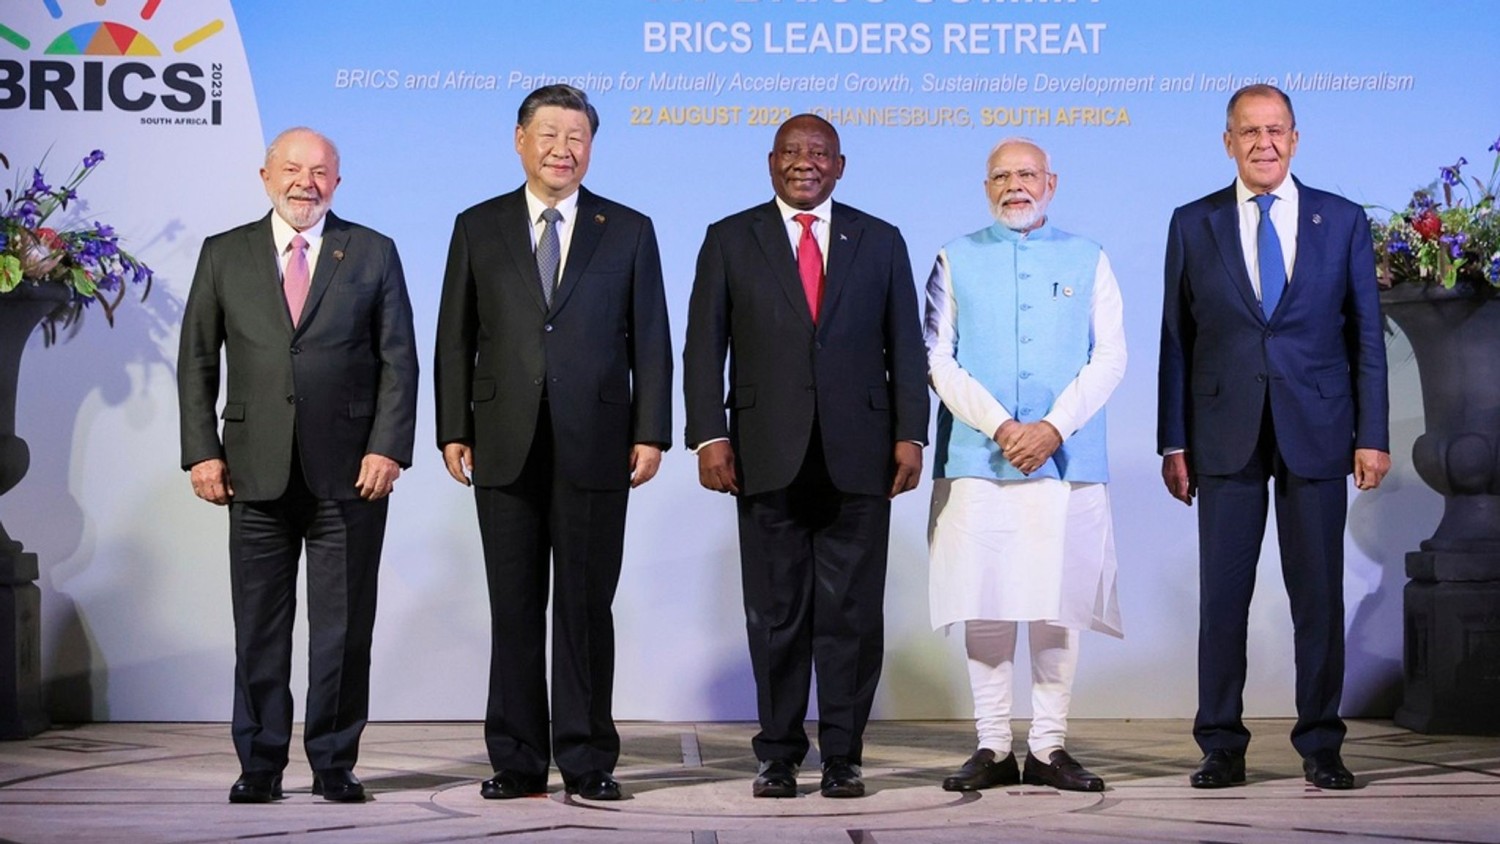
x: 602, y: 352
x: 1320, y: 357
x: 343, y: 382
x: 861, y: 369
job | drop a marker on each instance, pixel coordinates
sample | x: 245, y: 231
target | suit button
x: 1260, y: 377
x: 553, y: 379
x: 536, y: 381
x: 290, y: 398
x: 547, y: 327
x: 818, y: 346
x: 296, y: 350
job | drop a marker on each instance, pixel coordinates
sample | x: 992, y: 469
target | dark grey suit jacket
x: 343, y: 382
x: 602, y: 351
x: 862, y: 369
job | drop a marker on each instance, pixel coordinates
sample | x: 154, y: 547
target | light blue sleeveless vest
x: 1023, y: 332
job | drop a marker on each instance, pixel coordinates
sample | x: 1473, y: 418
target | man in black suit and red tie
x: 827, y: 415
x: 1272, y: 367
x: 554, y: 378
x: 311, y: 313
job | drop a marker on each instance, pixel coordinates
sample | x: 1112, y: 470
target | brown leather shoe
x: 1061, y: 771
x: 984, y: 771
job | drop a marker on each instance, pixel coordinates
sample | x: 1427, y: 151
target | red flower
x: 1428, y: 224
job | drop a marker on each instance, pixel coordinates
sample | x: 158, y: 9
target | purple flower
x: 1455, y: 243
x: 1422, y: 201
x: 4, y: 241
x: 92, y: 159
x: 1495, y: 147
x: 39, y: 184
x: 103, y: 230
x: 1450, y: 174
x: 1398, y: 247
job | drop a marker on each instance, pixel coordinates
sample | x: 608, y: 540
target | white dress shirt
x: 568, y: 208
x: 820, y: 227
x: 1283, y: 217
x: 282, y: 234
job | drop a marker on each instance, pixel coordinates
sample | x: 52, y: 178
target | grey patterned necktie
x: 548, y: 253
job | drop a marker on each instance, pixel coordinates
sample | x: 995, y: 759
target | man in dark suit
x: 312, y: 316
x: 1272, y: 367
x: 827, y: 418
x: 554, y: 378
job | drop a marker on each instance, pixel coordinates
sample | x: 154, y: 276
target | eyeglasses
x: 1251, y: 134
x: 1029, y: 178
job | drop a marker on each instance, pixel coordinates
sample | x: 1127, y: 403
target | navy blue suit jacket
x: 1320, y: 357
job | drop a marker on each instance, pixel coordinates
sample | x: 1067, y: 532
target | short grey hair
x: 1260, y: 89
x: 281, y: 138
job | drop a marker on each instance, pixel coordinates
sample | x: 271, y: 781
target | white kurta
x: 1034, y: 550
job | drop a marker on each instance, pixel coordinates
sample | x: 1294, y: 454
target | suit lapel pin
x: 338, y: 254
x: 599, y: 218
x: 1317, y: 218
x: 843, y: 237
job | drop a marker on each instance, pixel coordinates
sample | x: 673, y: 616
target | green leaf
x: 10, y: 273
x: 85, y: 285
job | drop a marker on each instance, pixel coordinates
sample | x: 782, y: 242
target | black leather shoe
x: 776, y: 779
x: 1219, y: 769
x: 508, y: 785
x: 596, y: 785
x: 1325, y: 769
x: 256, y: 787
x: 841, y: 778
x: 1060, y: 771
x: 339, y: 785
x: 982, y: 771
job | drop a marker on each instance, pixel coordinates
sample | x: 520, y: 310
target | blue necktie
x: 548, y: 253
x: 1272, y: 267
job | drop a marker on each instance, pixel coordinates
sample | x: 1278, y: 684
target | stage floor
x: 689, y: 783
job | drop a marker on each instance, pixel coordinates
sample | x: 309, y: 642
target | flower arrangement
x: 84, y: 256
x: 1443, y: 236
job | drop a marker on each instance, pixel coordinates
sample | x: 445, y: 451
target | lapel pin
x: 599, y: 218
x: 338, y: 254
x: 1317, y: 218
x: 1067, y: 291
x: 843, y: 237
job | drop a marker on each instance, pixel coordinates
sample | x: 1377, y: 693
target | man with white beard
x: 1025, y: 343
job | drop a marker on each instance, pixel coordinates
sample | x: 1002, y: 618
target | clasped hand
x: 1027, y: 445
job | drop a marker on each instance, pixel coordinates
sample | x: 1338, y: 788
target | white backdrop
x: 421, y: 98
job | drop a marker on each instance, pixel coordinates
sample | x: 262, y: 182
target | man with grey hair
x: 1025, y: 343
x: 311, y: 313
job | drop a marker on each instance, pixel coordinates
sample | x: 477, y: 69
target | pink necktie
x: 295, y: 281
x: 810, y: 264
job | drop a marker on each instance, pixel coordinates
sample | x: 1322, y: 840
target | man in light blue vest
x: 1025, y: 343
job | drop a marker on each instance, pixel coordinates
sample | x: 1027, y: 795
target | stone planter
x: 21, y: 711
x: 1451, y: 666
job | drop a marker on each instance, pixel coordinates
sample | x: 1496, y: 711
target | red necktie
x: 810, y: 264
x: 295, y: 281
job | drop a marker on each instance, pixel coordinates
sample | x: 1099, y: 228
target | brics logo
x: 81, y: 80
